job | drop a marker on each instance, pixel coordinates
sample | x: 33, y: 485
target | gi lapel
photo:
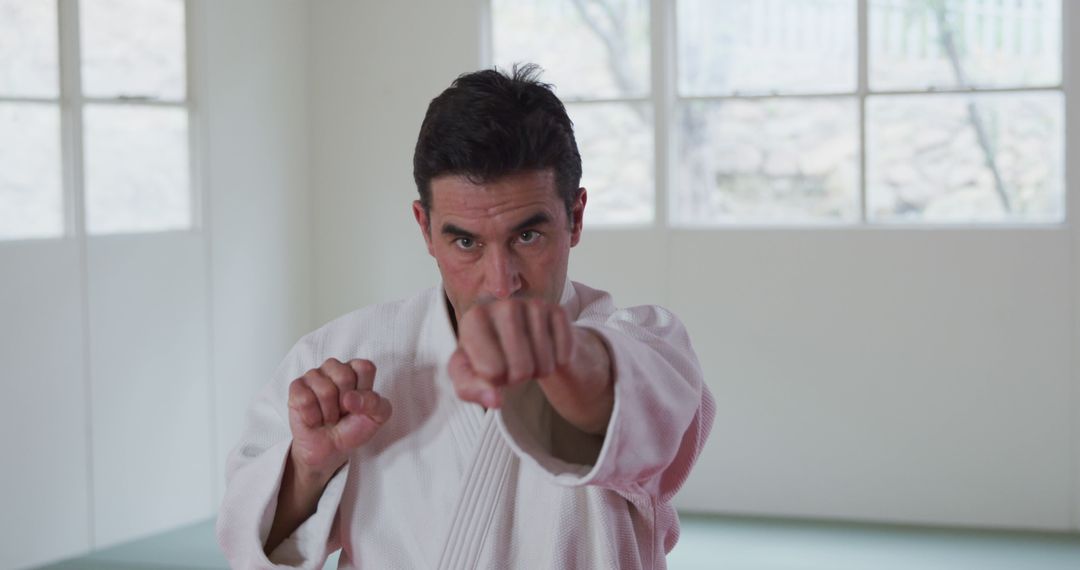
x: 479, y: 499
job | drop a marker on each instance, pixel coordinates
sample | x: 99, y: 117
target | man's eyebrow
x: 537, y: 219
x: 452, y: 230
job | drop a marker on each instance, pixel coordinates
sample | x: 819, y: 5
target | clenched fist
x: 333, y: 410
x: 509, y: 341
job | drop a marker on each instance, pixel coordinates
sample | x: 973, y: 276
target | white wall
x: 256, y: 119
x: 149, y: 384
x: 129, y: 360
x: 374, y: 68
x: 883, y: 375
x: 45, y: 479
x: 920, y: 376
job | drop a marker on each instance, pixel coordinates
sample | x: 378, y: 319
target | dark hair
x: 489, y: 124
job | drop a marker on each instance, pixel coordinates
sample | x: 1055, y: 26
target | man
x: 508, y: 418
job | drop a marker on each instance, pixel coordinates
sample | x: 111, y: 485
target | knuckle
x: 302, y: 399
x: 341, y: 376
x: 364, y: 365
x: 490, y: 376
x: 296, y: 386
x: 491, y: 370
x: 298, y: 389
x: 521, y: 374
x: 334, y: 368
x: 323, y: 387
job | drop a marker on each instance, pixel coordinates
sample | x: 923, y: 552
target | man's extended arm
x: 505, y: 343
x: 662, y: 410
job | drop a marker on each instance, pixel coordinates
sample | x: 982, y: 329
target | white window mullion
x: 865, y: 91
x: 71, y: 106
x: 199, y: 205
x: 1070, y: 16
x: 75, y: 208
x: 1070, y: 19
x: 662, y: 34
x: 11, y: 99
x: 862, y: 89
x: 133, y: 101
x: 601, y: 101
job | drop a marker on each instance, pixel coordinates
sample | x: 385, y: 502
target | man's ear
x: 422, y: 220
x: 577, y: 216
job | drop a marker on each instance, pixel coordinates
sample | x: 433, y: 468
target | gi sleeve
x: 253, y: 478
x: 662, y: 415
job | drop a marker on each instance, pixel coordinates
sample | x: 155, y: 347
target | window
x: 113, y: 84
x: 992, y: 151
x: 31, y: 187
x: 807, y: 112
x: 597, y: 55
x: 766, y: 114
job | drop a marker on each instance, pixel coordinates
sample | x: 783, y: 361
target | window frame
x: 71, y: 103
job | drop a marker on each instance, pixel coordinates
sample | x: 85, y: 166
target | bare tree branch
x: 614, y: 44
x: 948, y: 43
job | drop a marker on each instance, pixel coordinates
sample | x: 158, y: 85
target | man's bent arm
x: 255, y: 479
x: 296, y: 502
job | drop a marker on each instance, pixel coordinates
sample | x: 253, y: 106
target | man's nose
x: 503, y: 278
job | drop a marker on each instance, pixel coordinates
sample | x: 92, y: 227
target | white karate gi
x: 444, y: 484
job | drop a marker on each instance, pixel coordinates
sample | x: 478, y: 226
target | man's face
x: 505, y: 238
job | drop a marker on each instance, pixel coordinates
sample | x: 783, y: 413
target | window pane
x: 31, y: 203
x: 615, y: 141
x: 28, y: 48
x: 589, y: 48
x: 133, y: 48
x: 916, y: 44
x: 964, y: 158
x: 766, y: 161
x: 136, y: 169
x: 764, y: 46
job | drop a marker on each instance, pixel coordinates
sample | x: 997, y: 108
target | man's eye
x: 465, y: 243
x: 528, y: 236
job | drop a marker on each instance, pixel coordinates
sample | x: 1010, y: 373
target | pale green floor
x: 721, y: 543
